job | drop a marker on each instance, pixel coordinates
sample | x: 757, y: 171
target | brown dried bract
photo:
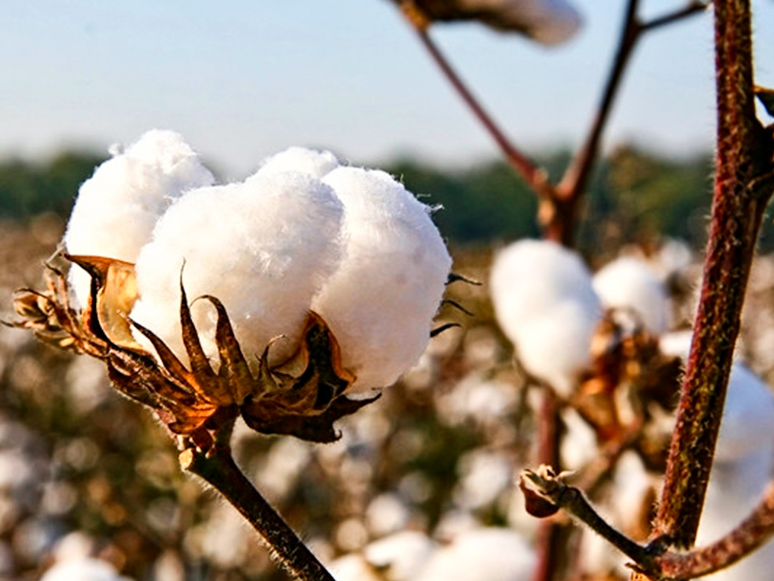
x: 193, y: 401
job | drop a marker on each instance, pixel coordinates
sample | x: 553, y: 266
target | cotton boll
x: 263, y: 248
x: 353, y: 567
x: 117, y: 208
x: 748, y: 416
x: 82, y: 569
x: 628, y: 283
x: 300, y: 159
x: 401, y: 556
x: 486, y: 554
x: 548, y: 22
x: 381, y: 301
x: 545, y: 304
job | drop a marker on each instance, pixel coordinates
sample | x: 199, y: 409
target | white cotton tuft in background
x: 117, y: 208
x: 630, y: 284
x: 381, y: 301
x: 483, y: 554
x: 548, y: 22
x: 545, y: 304
x: 262, y: 247
x: 82, y: 569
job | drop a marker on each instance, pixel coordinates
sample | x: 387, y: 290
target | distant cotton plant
x: 315, y: 277
x: 630, y: 284
x: 545, y: 304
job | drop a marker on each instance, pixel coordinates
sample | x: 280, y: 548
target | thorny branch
x: 653, y: 559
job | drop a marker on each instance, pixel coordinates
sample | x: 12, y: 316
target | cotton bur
x: 273, y: 298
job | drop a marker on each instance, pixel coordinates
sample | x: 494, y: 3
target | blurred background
x: 84, y: 472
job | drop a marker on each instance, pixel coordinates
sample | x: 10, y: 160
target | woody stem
x: 220, y: 471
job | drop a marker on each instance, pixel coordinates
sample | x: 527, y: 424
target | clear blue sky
x: 242, y: 79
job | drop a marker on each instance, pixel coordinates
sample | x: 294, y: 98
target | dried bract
x: 302, y: 397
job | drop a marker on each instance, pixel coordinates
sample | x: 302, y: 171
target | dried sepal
x: 303, y: 397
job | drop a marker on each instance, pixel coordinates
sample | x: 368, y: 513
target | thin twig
x: 535, y: 176
x: 575, y: 179
x: 743, y: 154
x: 570, y: 499
x: 751, y: 533
x: 220, y: 471
x: 653, y: 559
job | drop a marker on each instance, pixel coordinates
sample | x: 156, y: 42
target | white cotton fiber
x: 548, y: 22
x: 117, y: 208
x: 484, y: 554
x: 545, y: 304
x: 630, y: 284
x: 83, y: 569
x: 381, y: 301
x: 262, y: 247
x: 300, y: 159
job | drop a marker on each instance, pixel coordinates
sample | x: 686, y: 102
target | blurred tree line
x: 635, y: 196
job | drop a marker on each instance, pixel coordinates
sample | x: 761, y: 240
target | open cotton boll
x: 263, y: 247
x: 548, y: 22
x: 402, y: 555
x: 381, y: 301
x: 117, y: 208
x: 545, y: 304
x: 748, y: 416
x: 83, y: 569
x: 300, y: 159
x: 629, y: 283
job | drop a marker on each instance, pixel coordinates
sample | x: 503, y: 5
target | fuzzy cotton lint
x: 302, y: 233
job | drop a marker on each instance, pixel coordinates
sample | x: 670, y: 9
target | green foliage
x: 28, y: 189
x: 634, y: 196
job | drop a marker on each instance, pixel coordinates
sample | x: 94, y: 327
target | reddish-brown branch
x: 743, y: 154
x: 654, y: 560
x: 559, y: 204
x: 549, y: 537
x: 529, y: 171
x: 751, y: 533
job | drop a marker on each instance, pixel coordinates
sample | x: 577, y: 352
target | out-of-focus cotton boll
x: 83, y: 569
x: 630, y: 284
x: 545, y: 304
x: 548, y: 22
x: 486, y: 554
x: 263, y: 248
x: 353, y: 567
x: 484, y: 476
x: 117, y: 208
x: 748, y: 416
x: 300, y: 159
x: 381, y: 301
x: 400, y: 556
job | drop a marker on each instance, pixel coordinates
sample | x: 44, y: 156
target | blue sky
x: 242, y: 79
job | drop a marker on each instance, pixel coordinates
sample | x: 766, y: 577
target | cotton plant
x: 288, y: 299
x: 546, y: 305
